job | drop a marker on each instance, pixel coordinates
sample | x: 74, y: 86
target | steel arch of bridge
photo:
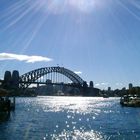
x: 30, y: 77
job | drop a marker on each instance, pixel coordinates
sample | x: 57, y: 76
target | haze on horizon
x: 99, y: 39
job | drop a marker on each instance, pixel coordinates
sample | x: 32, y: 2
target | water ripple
x: 71, y: 118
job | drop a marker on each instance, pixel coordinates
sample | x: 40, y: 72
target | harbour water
x: 71, y: 118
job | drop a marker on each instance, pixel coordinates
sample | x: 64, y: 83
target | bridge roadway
x: 44, y: 83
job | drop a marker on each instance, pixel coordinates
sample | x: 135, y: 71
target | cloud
x: 25, y: 58
x: 97, y: 84
x: 119, y: 84
x: 104, y: 84
x: 78, y: 72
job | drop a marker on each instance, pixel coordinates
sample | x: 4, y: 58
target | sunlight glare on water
x: 76, y: 135
x: 71, y: 118
x: 71, y: 104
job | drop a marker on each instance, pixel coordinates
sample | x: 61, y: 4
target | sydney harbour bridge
x: 44, y: 76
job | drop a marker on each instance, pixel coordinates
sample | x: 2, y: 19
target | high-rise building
x: 130, y: 85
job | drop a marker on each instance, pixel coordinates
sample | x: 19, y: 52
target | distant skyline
x: 98, y: 39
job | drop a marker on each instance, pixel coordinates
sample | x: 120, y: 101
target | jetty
x: 7, y: 103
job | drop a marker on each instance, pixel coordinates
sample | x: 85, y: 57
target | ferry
x: 130, y: 101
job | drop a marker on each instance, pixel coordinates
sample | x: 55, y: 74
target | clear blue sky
x: 100, y: 38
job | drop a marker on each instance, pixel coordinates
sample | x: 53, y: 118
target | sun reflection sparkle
x: 78, y: 134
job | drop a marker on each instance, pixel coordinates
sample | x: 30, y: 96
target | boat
x: 130, y: 101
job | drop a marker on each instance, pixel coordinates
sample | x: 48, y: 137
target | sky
x: 99, y: 39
